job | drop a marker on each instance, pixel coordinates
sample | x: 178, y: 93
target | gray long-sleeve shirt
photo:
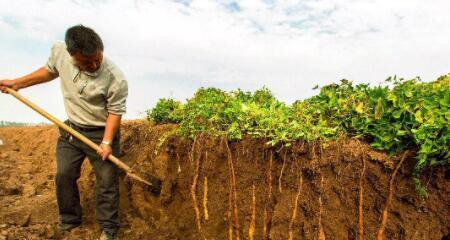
x: 88, y: 97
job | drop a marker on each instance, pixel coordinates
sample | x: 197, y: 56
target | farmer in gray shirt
x: 95, y: 92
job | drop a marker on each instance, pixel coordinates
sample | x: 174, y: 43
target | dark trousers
x: 70, y: 154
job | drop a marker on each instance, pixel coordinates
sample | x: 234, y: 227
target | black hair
x: 83, y: 40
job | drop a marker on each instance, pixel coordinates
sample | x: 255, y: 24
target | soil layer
x: 215, y: 189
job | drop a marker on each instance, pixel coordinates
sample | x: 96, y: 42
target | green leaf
x: 379, y: 109
x: 360, y: 108
x: 397, y: 114
x: 418, y: 117
x: 408, y: 93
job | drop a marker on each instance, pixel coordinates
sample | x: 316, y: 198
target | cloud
x: 173, y: 47
x: 184, y: 2
x: 233, y: 6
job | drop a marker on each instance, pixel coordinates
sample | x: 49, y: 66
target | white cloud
x: 173, y: 47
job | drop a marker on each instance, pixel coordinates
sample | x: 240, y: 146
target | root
x: 178, y: 163
x: 205, y: 189
x: 265, y: 224
x: 321, y: 232
x: 233, y: 189
x: 230, y: 203
x: 380, y: 233
x: 229, y: 213
x: 207, y: 162
x: 294, y: 212
x: 281, y: 173
x: 194, y: 191
x: 361, y: 200
x: 205, y: 198
x: 313, y: 152
x: 266, y: 230
x: 270, y: 174
x: 251, y: 229
x: 191, y: 155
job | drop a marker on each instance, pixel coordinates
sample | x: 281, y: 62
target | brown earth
x: 212, y: 189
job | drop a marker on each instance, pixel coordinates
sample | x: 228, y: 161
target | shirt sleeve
x: 52, y: 59
x: 117, y: 97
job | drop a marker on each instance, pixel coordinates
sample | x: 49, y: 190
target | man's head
x: 85, y: 46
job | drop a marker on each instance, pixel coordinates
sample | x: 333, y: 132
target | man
x: 95, y: 93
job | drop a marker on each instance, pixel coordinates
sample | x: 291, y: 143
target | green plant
x: 165, y: 111
x: 399, y: 115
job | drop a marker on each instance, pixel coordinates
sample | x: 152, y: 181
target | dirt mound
x: 214, y: 189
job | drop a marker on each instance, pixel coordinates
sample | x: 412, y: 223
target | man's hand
x: 104, y: 151
x: 111, y: 128
x: 41, y: 75
x: 8, y: 83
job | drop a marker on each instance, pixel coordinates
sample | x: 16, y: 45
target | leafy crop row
x: 401, y: 114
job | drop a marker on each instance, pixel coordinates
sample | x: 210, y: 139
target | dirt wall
x: 213, y: 189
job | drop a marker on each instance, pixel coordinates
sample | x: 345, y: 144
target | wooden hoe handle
x: 76, y: 134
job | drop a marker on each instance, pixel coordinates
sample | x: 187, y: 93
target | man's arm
x: 111, y: 128
x: 41, y: 75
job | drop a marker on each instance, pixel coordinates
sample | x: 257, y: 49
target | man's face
x: 88, y: 63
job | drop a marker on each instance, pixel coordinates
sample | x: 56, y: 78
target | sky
x: 170, y: 48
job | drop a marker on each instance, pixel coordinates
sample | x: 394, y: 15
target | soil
x: 213, y: 189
